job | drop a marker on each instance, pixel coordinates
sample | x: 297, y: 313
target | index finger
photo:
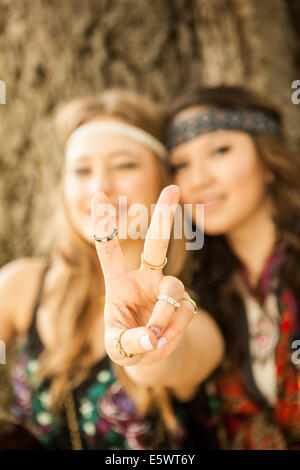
x: 109, y: 252
x: 158, y: 235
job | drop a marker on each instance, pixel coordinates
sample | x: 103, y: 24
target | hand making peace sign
x: 138, y: 326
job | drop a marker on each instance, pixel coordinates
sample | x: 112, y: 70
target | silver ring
x: 110, y: 237
x: 168, y: 299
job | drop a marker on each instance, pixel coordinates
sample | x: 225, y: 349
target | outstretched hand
x: 153, y: 328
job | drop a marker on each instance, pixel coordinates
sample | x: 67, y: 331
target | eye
x: 125, y: 166
x: 178, y: 167
x: 221, y: 150
x: 82, y: 171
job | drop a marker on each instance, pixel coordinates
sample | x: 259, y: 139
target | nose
x: 200, y: 175
x: 101, y: 182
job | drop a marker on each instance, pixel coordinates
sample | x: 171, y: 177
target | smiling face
x: 223, y: 171
x: 119, y: 166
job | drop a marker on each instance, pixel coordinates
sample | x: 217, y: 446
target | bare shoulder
x: 19, y: 282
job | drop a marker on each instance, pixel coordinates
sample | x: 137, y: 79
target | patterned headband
x: 252, y: 122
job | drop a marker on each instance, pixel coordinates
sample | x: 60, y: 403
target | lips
x: 213, y: 199
x: 211, y: 202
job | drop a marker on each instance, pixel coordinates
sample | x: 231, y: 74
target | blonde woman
x: 65, y: 390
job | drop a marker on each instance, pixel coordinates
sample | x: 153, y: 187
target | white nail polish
x: 155, y: 330
x: 161, y: 342
x: 146, y: 343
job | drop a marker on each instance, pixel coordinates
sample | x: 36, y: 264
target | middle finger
x: 158, y: 235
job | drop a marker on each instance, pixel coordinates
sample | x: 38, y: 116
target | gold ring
x: 192, y: 302
x: 151, y: 266
x: 118, y: 346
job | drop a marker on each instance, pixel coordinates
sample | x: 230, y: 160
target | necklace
x: 72, y: 422
x: 70, y: 410
x: 263, y: 327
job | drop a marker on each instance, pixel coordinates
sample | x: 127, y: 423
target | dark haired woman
x: 229, y: 153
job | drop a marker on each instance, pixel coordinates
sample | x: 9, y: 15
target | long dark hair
x: 215, y: 264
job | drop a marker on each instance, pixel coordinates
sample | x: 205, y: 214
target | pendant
x: 263, y: 327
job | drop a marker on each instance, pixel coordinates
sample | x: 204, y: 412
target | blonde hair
x: 73, y: 293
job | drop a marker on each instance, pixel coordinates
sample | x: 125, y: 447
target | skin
x: 223, y: 171
x: 131, y: 293
x: 118, y: 166
x: 131, y: 303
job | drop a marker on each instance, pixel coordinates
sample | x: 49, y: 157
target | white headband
x: 122, y: 129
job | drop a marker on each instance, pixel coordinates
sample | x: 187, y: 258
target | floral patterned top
x: 106, y: 416
x: 241, y: 412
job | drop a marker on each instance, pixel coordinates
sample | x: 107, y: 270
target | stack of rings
x: 177, y: 304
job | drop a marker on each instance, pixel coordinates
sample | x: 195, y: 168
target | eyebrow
x: 116, y: 153
x: 210, y: 142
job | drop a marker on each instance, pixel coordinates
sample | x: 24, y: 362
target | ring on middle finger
x: 168, y: 299
x: 152, y: 266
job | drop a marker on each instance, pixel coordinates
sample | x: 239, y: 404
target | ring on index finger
x: 107, y: 239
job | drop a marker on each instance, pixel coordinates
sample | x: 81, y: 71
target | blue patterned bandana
x: 252, y: 122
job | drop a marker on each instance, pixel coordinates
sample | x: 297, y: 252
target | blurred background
x: 53, y: 50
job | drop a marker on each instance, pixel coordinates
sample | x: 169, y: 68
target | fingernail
x: 172, y: 187
x: 161, y: 342
x: 155, y: 330
x: 146, y: 343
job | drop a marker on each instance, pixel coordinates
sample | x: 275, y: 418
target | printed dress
x: 106, y: 416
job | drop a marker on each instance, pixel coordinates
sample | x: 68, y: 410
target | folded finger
x: 177, y: 325
x: 172, y: 290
